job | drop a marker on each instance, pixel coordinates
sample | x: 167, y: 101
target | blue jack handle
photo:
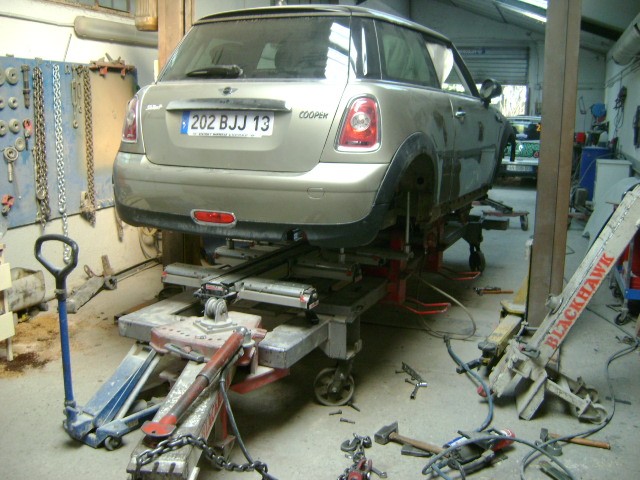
x: 60, y: 274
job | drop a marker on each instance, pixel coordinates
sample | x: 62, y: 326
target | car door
x: 476, y: 129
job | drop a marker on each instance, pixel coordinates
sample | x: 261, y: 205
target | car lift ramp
x: 332, y: 324
x: 305, y: 321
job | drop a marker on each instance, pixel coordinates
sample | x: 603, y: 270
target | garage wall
x: 623, y: 76
x: 37, y: 29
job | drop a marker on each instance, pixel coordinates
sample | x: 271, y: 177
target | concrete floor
x: 285, y: 427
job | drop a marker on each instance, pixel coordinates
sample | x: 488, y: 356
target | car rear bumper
x: 332, y: 205
x: 519, y: 169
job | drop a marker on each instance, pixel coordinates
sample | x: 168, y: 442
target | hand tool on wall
x: 26, y: 91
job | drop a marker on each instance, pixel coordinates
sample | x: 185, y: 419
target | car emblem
x: 228, y: 90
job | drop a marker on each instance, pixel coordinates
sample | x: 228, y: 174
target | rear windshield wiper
x: 219, y: 71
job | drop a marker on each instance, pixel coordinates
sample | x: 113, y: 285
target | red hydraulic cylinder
x: 165, y: 427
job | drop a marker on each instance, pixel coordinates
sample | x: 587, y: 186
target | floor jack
x: 103, y: 420
x: 530, y: 362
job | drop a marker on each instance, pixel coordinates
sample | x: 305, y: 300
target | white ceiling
x: 602, y: 22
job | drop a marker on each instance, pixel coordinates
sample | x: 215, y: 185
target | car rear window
x: 264, y: 48
x: 527, y: 129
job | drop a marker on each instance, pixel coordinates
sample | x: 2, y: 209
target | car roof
x: 347, y: 10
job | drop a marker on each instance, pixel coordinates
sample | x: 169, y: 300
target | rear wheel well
x: 419, y: 180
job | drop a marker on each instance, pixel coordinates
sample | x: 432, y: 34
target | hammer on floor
x: 390, y: 434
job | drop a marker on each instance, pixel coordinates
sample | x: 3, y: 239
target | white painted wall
x: 29, y: 37
x: 629, y: 77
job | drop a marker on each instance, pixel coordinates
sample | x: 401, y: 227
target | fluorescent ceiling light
x: 522, y: 10
x: 536, y: 3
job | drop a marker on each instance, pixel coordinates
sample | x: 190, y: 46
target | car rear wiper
x: 220, y: 71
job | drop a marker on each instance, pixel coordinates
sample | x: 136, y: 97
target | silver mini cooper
x: 321, y: 122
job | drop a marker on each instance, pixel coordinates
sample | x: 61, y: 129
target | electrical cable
x: 531, y: 456
x: 432, y: 462
x: 442, y: 334
x: 479, y: 379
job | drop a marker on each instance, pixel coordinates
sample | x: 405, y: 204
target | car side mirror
x: 488, y: 90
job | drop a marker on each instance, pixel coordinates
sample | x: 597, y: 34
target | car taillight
x: 211, y: 217
x: 130, y: 128
x: 361, y: 126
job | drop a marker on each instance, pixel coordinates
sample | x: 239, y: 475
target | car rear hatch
x: 249, y: 94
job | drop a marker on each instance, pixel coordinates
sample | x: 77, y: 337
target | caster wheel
x: 322, y: 388
x: 616, y: 292
x: 477, y: 262
x: 622, y: 318
x: 524, y: 222
x: 112, y: 443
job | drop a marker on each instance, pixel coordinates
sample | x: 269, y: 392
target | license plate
x: 519, y: 168
x: 227, y: 123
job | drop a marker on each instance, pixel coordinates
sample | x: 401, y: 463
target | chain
x: 171, y: 444
x: 39, y: 149
x: 89, y: 203
x: 62, y: 192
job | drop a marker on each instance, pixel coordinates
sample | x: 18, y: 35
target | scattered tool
x: 552, y: 448
x: 473, y: 451
x: 553, y: 472
x: 411, y: 451
x: 490, y: 290
x: 362, y: 467
x: 583, y: 441
x: 102, y: 420
x: 416, y: 379
x: 390, y: 434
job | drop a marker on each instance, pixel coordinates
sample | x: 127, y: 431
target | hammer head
x: 382, y: 436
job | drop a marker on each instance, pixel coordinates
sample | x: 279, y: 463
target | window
x: 449, y: 75
x: 404, y: 56
x: 282, y: 48
x: 125, y: 6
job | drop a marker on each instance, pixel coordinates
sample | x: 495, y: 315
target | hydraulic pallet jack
x: 528, y: 365
x: 111, y: 413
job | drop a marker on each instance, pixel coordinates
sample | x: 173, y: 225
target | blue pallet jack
x: 111, y: 413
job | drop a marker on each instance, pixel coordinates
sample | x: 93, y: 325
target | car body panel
x: 300, y: 128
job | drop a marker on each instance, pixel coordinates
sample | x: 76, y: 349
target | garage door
x: 509, y: 66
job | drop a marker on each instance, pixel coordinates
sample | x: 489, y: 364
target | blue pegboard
x: 24, y: 209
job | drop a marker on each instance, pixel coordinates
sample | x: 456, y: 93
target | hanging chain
x: 39, y: 149
x: 62, y: 192
x: 89, y: 202
x: 171, y: 444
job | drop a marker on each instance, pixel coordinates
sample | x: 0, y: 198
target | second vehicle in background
x: 522, y: 161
